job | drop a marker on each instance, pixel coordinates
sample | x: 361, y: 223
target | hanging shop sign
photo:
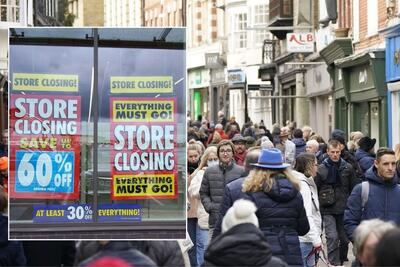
x: 143, y: 157
x: 300, y: 42
x: 45, y: 137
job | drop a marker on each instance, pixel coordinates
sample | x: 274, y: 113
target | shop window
x: 137, y: 144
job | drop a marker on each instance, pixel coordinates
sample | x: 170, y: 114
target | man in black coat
x: 215, y: 178
x: 335, y: 180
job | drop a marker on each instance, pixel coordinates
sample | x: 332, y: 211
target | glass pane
x: 50, y: 134
x: 142, y: 130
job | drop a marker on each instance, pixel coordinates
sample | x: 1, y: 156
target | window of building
x: 10, y: 10
x: 356, y: 20
x: 140, y: 134
x: 260, y: 22
x: 240, y: 32
x: 372, y: 15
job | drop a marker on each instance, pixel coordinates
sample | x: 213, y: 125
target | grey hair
x: 312, y: 142
x: 367, y: 227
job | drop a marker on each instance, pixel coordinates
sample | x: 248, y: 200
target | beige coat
x: 193, y: 192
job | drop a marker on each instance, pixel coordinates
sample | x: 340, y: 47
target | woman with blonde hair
x: 280, y: 210
x: 352, y: 144
x: 208, y: 159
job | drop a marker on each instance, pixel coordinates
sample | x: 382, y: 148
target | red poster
x: 45, y: 146
x: 143, y: 141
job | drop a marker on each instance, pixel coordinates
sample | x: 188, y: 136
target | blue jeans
x: 306, y: 248
x: 201, y: 244
x: 191, y: 228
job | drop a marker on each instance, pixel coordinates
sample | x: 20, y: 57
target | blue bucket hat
x: 271, y: 158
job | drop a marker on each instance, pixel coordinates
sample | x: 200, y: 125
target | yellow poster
x: 45, y: 82
x: 141, y: 84
x: 143, y: 110
x: 144, y: 185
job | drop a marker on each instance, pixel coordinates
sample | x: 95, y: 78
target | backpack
x: 365, y: 193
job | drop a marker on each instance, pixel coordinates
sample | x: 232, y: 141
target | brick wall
x: 370, y: 41
x: 158, y: 8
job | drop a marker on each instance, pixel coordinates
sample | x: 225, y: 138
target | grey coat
x: 212, y: 187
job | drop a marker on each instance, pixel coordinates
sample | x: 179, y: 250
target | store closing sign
x: 143, y: 134
x: 45, y: 134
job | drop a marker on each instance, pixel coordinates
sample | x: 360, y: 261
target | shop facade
x: 363, y: 77
x: 393, y: 83
x: 98, y: 134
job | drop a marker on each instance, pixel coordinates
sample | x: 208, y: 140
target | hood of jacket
x: 299, y: 142
x: 282, y: 189
x: 372, y: 176
x: 242, y: 245
x: 362, y: 154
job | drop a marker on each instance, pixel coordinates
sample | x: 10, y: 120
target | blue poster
x: 44, y: 171
x: 84, y: 213
x: 62, y: 213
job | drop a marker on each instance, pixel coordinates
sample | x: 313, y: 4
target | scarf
x: 333, y: 171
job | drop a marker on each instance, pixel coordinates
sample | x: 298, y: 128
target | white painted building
x: 122, y: 13
x: 14, y: 13
x: 246, y: 26
x: 207, y: 88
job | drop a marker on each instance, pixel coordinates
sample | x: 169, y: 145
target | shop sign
x: 213, y: 61
x: 236, y: 77
x: 45, y: 150
x: 84, y: 213
x: 143, y: 157
x: 300, y: 42
x: 217, y: 76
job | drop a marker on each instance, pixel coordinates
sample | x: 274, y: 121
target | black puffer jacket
x: 342, y: 188
x: 212, y: 187
x: 163, y: 253
x: 282, y: 219
x: 11, y: 252
x: 242, y: 245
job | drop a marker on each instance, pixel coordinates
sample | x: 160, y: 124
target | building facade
x: 360, y: 91
x: 392, y: 36
x: 246, y: 22
x: 49, y: 12
x: 206, y: 59
x: 167, y: 13
x: 122, y: 13
x: 86, y: 12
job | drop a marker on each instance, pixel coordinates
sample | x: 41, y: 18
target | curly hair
x: 261, y: 179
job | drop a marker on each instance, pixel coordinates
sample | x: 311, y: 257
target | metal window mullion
x: 95, y: 122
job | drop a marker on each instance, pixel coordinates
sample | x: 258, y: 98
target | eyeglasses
x: 226, y: 151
